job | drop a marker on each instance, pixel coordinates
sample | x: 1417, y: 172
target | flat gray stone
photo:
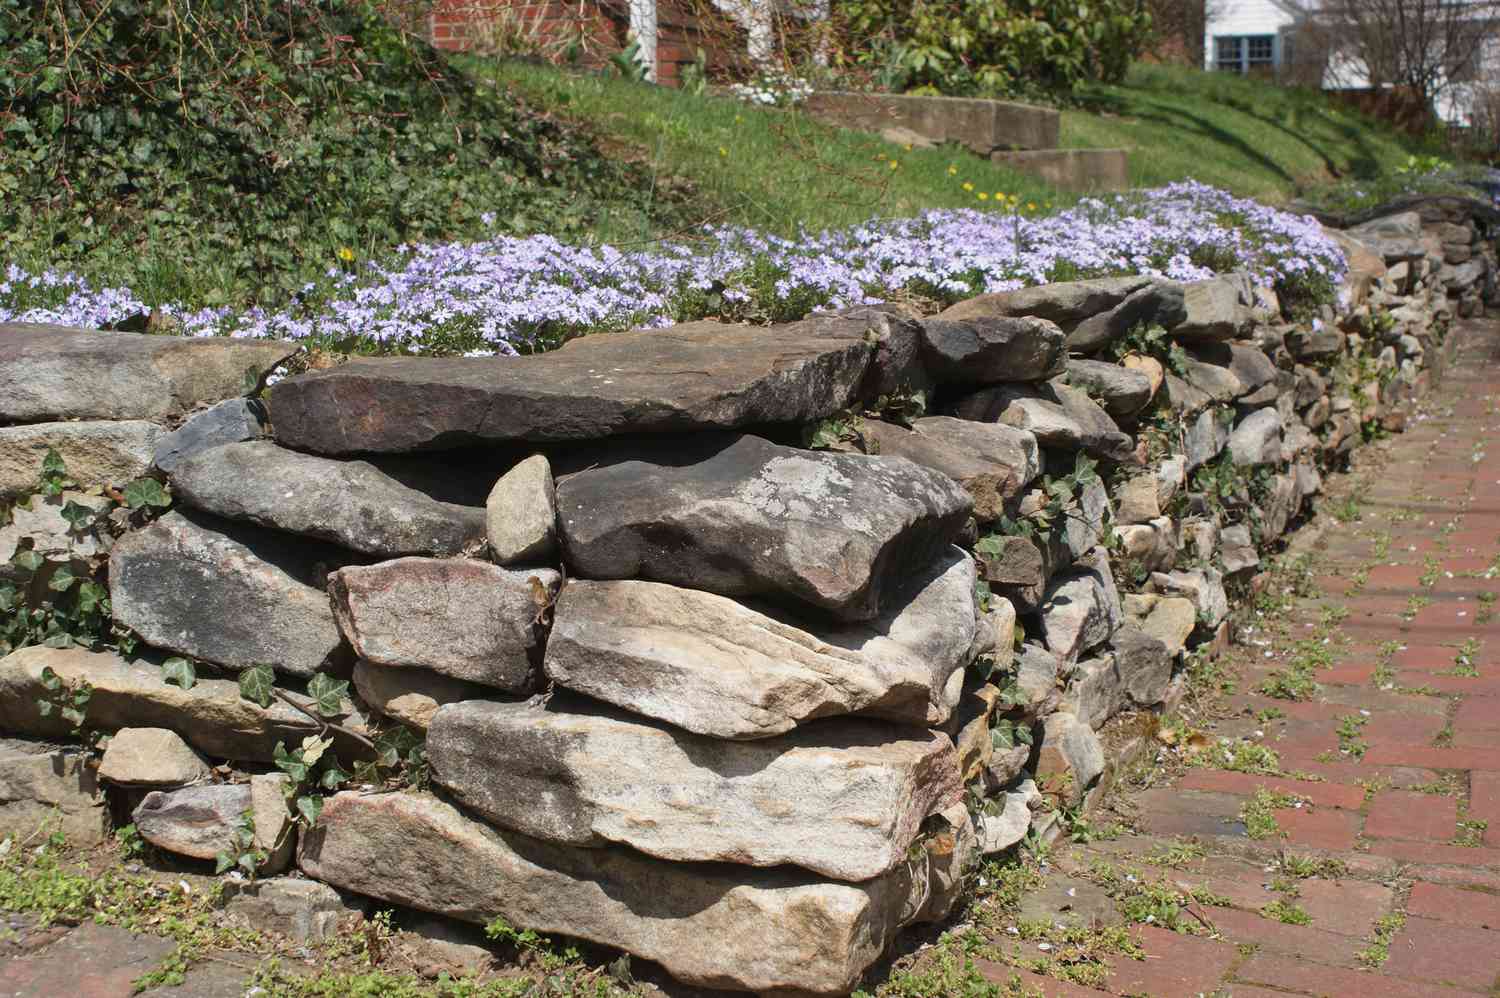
x: 1036, y: 674
x: 63, y: 372
x: 1204, y: 587
x: 1070, y: 746
x: 1081, y: 611
x: 1144, y: 665
x: 52, y: 786
x: 151, y: 757
x: 1168, y: 619
x: 302, y: 910
x: 462, y: 618
x: 992, y: 461
x: 1008, y: 825
x: 844, y: 799
x: 1218, y: 383
x: 1206, y: 437
x: 701, y: 375
x: 986, y: 351
x: 95, y: 453
x: 1066, y: 303
x: 520, y: 515
x: 773, y: 929
x: 209, y: 588
x: 1159, y: 303
x: 711, y: 665
x: 1121, y: 390
x: 351, y: 503
x: 229, y: 422
x: 1217, y: 309
x: 212, y: 716
x: 1018, y: 566
x: 740, y: 516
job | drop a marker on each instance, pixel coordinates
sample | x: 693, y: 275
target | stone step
x: 1072, y: 169
x: 979, y: 124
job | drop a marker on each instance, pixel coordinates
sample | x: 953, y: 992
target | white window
x: 1242, y: 53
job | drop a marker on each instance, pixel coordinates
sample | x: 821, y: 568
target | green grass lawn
x: 777, y: 169
x: 1254, y: 139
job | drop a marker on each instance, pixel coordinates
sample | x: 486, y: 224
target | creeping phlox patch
x: 511, y: 295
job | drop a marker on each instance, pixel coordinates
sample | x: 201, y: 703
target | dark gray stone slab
x: 696, y: 376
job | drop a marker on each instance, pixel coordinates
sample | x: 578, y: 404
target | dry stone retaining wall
x: 684, y: 678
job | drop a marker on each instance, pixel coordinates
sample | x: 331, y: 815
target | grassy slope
x: 1263, y: 141
x: 777, y: 170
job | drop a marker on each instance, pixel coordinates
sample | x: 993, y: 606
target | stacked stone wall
x: 732, y: 647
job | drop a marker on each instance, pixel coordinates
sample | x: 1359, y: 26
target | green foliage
x: 1239, y: 757
x: 250, y: 141
x: 1004, y: 47
x: 1379, y: 949
x: 147, y: 493
x: 1258, y: 813
x: 243, y: 852
x: 178, y: 671
x: 67, y: 699
x: 256, y: 684
x: 1286, y: 911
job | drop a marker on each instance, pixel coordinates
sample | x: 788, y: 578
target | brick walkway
x: 1394, y: 792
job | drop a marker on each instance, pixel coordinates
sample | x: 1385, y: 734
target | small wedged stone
x: 1168, y: 619
x: 151, y: 757
x: 1059, y: 416
x: 408, y: 695
x: 841, y: 798
x: 200, y: 822
x: 992, y: 461
x: 773, y: 929
x: 716, y: 667
x: 229, y: 422
x: 1123, y: 391
x: 969, y: 728
x: 302, y: 910
x: 351, y: 503
x: 50, y: 372
x: 1203, y: 586
x: 457, y: 617
x: 1183, y: 397
x: 1256, y: 439
x: 1206, y: 437
x: 1251, y: 366
x: 1219, y: 383
x: 1081, y: 611
x: 695, y: 376
x: 1070, y: 750
x: 741, y: 516
x: 992, y: 350
x: 520, y: 515
x: 95, y: 453
x: 212, y: 716
x: 208, y: 588
x: 1144, y: 665
x: 1018, y: 566
x: 1152, y: 545
x: 1136, y: 501
x: 1036, y: 674
x: 998, y: 832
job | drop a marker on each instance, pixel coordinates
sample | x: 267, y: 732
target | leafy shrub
x: 1008, y: 47
x: 262, y: 136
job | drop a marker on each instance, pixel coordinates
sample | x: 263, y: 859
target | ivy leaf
x: 44, y: 707
x: 328, y: 693
x: 178, y: 671
x: 50, y: 679
x: 146, y: 492
x: 92, y: 596
x: 8, y: 597
x: 72, y: 715
x: 313, y: 748
x: 256, y: 683
x: 27, y: 561
x: 52, y: 465
x: 78, y: 516
x: 310, y: 808
x: 62, y: 580
x: 333, y: 777
x: 222, y: 862
x: 291, y: 765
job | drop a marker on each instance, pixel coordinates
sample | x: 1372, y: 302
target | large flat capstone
x: 695, y: 376
x: 208, y: 588
x: 351, y: 503
x: 841, y: 798
x: 711, y: 665
x: 741, y: 516
x: 462, y: 618
x: 95, y: 452
x: 52, y: 372
x: 707, y: 924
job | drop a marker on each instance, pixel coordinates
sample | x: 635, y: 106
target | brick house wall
x: 599, y: 27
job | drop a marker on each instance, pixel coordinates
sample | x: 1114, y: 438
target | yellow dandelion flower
x: 968, y: 186
x: 894, y: 164
x: 346, y: 254
x: 1046, y: 204
x: 1031, y: 206
x: 952, y: 171
x: 907, y: 147
x: 983, y: 196
x: 1014, y: 199
x: 723, y: 151
x: 999, y: 195
x: 738, y: 119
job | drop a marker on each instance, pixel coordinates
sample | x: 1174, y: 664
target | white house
x: 1241, y: 36
x: 1257, y: 36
